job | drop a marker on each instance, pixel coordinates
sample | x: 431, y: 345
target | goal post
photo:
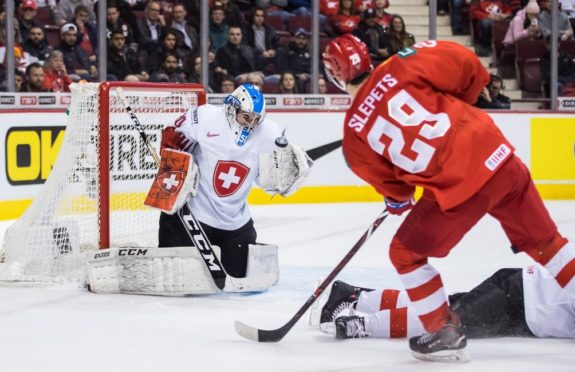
x: 93, y: 198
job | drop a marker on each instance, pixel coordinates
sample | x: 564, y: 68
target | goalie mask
x: 245, y: 109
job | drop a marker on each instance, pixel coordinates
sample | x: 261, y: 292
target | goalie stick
x: 275, y: 335
x: 189, y: 221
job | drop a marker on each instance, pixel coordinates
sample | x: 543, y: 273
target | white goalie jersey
x: 227, y: 171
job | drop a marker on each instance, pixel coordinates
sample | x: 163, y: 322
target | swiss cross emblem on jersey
x: 229, y: 177
x: 170, y: 182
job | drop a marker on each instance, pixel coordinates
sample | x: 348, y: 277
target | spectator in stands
x: 297, y: 57
x: 262, y: 38
x: 234, y: 57
x: 374, y: 36
x: 383, y: 18
x: 37, y: 46
x: 565, y: 70
x: 26, y: 17
x: 123, y: 61
x: 227, y: 85
x: 170, y: 72
x: 491, y: 97
x: 524, y: 24
x: 347, y: 18
x: 187, y: 34
x: 398, y: 37
x: 255, y: 77
x: 565, y: 29
x: 87, y: 33
x: 56, y: 78
x: 21, y: 58
x: 115, y: 22
x: 458, y: 27
x: 64, y: 11
x: 321, y: 85
x: 76, y: 59
x: 288, y: 83
x: 232, y: 12
x: 484, y: 12
x: 34, y: 79
x: 218, y: 28
x: 149, y: 29
x: 168, y: 44
x: 568, y: 7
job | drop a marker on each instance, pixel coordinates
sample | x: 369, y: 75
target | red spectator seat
x: 568, y: 47
x: 139, y: 14
x: 44, y: 16
x: 52, y: 34
x: 271, y: 87
x: 296, y: 22
x: 498, y: 31
x: 528, y: 53
x: 323, y: 40
x: 285, y: 38
x: 168, y: 16
x: 276, y: 22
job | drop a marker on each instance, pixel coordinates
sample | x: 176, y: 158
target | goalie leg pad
x: 262, y: 271
x: 157, y: 271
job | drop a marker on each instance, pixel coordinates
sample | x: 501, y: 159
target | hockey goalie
x: 210, y: 159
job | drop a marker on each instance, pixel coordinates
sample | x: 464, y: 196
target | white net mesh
x: 64, y: 221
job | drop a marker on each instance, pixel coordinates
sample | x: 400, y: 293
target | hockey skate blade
x: 246, y: 331
x: 314, y: 312
x: 444, y: 356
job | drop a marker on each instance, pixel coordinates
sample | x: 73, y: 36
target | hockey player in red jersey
x: 412, y: 123
x: 510, y: 303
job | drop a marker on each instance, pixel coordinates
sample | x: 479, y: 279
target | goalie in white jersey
x: 232, y: 147
x: 511, y: 303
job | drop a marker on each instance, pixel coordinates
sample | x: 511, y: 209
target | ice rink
x: 67, y: 329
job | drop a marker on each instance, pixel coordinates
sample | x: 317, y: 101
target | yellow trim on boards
x: 12, y: 209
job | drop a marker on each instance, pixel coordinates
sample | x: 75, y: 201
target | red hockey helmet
x: 346, y: 58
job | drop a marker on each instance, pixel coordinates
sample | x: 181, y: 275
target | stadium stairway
x: 415, y: 14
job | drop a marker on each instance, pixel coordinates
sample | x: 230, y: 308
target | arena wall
x: 31, y: 142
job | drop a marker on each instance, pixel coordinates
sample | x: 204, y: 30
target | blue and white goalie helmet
x: 245, y: 110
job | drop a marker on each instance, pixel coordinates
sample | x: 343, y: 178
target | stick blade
x: 258, y: 335
x: 246, y: 331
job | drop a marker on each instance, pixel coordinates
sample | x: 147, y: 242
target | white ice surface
x: 67, y: 329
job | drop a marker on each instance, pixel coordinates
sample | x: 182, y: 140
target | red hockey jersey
x: 413, y: 124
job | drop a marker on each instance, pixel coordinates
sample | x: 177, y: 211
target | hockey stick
x: 275, y: 335
x: 189, y: 221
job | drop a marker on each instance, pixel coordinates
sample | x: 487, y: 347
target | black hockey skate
x: 350, y: 327
x: 342, y: 297
x: 445, y: 345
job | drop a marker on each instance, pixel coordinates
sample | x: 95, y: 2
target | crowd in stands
x: 266, y: 42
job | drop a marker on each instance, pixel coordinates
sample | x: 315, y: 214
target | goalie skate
x: 445, y: 345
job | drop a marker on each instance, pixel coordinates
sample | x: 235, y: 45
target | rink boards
x: 545, y: 141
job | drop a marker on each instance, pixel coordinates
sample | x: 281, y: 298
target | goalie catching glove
x: 283, y: 171
x: 177, y: 177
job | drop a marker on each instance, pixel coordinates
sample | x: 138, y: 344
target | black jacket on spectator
x: 497, y: 103
x: 163, y: 76
x: 121, y: 25
x: 92, y: 34
x: 123, y: 63
x: 565, y: 71
x: 143, y: 35
x: 193, y: 34
x: 294, y: 59
x: 236, y: 59
x: 375, y: 38
x: 75, y: 58
x: 272, y: 40
x: 41, y: 50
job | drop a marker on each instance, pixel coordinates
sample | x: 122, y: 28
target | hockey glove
x: 283, y: 171
x: 397, y: 208
x: 178, y: 177
x: 172, y: 139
